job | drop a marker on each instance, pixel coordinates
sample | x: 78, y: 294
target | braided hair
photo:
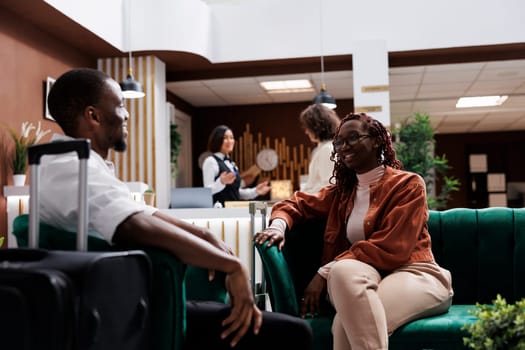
x: 345, y: 178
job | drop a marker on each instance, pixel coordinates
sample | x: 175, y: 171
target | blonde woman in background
x: 319, y: 124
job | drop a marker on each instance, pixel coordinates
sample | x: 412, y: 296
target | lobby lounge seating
x: 484, y: 249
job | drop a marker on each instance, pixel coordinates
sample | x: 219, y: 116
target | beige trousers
x: 369, y: 308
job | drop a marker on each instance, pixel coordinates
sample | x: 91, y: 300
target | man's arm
x: 198, y: 231
x: 153, y: 231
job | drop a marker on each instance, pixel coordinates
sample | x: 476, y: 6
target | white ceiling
x: 431, y: 89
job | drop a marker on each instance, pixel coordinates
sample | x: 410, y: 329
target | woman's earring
x: 382, y: 156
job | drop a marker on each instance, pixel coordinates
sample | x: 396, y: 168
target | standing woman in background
x: 319, y: 124
x: 221, y: 174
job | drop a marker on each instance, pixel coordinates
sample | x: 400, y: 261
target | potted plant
x: 149, y: 197
x: 414, y: 143
x: 175, y: 143
x: 21, y: 143
x: 500, y: 326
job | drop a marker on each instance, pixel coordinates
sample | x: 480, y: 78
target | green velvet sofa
x: 172, y: 283
x: 484, y: 249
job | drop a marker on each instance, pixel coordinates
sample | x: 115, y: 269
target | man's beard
x: 120, y: 146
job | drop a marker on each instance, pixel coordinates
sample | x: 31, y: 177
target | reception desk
x: 232, y: 225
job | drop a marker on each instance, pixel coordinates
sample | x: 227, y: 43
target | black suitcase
x: 72, y: 300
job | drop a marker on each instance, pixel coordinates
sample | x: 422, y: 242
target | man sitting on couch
x: 88, y: 104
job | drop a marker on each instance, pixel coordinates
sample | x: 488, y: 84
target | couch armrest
x: 277, y: 274
x: 52, y: 238
x: 168, y: 300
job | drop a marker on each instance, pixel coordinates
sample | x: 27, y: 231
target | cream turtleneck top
x: 354, y: 227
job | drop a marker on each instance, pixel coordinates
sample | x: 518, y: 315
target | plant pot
x: 149, y: 198
x: 19, y: 179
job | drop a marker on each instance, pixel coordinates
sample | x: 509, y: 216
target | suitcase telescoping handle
x: 259, y: 290
x: 34, y: 153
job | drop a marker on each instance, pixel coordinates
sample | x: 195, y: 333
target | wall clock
x: 267, y: 159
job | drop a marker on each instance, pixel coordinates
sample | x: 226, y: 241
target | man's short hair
x: 72, y: 92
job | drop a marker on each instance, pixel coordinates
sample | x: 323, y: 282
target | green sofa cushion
x: 436, y: 332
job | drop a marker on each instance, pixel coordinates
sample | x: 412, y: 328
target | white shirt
x: 109, y: 200
x: 210, y: 170
x: 320, y: 168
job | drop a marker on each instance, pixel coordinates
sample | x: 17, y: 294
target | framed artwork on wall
x: 48, y: 84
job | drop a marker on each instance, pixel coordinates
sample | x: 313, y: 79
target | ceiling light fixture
x: 323, y: 97
x: 480, y: 101
x: 287, y: 86
x: 130, y: 87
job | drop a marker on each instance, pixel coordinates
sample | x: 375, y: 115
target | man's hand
x: 312, y: 296
x: 210, y: 237
x: 243, y: 309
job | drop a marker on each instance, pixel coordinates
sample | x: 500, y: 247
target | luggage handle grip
x: 35, y: 152
x: 81, y: 146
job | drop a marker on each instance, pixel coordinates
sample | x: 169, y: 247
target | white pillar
x: 371, y: 85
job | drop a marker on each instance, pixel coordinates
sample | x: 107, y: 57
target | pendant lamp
x: 130, y: 87
x: 323, y: 97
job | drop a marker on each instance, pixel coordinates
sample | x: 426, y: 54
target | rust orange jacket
x: 395, y: 224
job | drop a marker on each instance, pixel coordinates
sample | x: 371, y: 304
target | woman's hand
x: 312, y: 296
x: 227, y: 177
x: 273, y: 235
x: 263, y: 188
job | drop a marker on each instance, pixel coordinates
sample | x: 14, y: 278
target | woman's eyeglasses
x: 351, y: 140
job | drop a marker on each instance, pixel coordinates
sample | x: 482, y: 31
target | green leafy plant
x: 22, y: 143
x: 415, y: 149
x: 500, y: 326
x: 1, y: 241
x: 175, y: 142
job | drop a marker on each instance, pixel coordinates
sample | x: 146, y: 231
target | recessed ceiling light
x: 287, y: 86
x: 480, y: 101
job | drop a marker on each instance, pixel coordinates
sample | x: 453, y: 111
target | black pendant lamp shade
x: 325, y: 98
x: 131, y: 88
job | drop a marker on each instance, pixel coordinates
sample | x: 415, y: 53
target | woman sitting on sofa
x: 377, y: 264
